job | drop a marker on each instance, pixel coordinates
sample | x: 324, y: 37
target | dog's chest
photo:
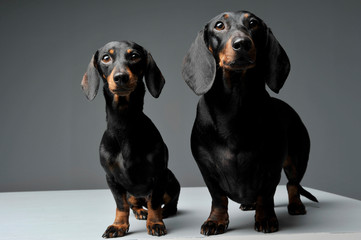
x: 235, y: 163
x: 239, y: 172
x: 131, y: 173
x: 122, y: 169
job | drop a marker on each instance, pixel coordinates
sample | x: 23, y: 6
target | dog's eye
x: 219, y: 26
x: 253, y: 23
x: 106, y: 58
x: 134, y: 56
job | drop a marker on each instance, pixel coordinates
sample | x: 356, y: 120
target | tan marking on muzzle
x: 133, y: 79
x: 227, y: 54
x: 110, y: 79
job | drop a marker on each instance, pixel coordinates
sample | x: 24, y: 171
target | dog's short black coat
x: 242, y: 137
x: 132, y: 151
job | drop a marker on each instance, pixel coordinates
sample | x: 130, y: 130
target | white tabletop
x: 85, y: 214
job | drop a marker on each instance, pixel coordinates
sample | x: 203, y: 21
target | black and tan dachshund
x: 242, y: 137
x: 132, y: 151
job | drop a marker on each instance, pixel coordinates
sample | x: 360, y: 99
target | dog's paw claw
x: 157, y: 229
x: 116, y: 230
x: 267, y: 225
x: 212, y: 228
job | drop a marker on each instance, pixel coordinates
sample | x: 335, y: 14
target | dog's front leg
x: 218, y: 220
x: 265, y: 218
x: 121, y: 223
x: 155, y: 224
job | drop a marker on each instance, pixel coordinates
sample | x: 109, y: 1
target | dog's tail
x: 307, y: 194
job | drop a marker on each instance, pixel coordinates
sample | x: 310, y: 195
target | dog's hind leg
x: 295, y: 167
x: 171, y: 196
x: 137, y: 204
x: 295, y: 205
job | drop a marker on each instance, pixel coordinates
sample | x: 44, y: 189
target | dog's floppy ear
x: 199, y: 66
x: 276, y: 65
x: 91, y: 79
x: 153, y: 77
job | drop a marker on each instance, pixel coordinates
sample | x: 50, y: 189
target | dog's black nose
x: 121, y: 78
x: 241, y: 44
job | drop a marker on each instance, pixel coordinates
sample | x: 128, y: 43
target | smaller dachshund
x: 132, y: 151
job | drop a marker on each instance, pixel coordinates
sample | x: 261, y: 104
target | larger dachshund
x: 242, y: 137
x: 132, y: 151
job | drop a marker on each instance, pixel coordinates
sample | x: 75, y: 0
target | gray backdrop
x: 50, y: 133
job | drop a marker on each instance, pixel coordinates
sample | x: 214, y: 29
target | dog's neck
x: 237, y: 89
x: 235, y: 97
x: 122, y: 110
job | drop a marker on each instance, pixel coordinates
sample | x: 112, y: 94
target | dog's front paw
x: 140, y: 213
x: 210, y: 227
x: 156, y: 228
x: 116, y: 230
x: 266, y: 225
